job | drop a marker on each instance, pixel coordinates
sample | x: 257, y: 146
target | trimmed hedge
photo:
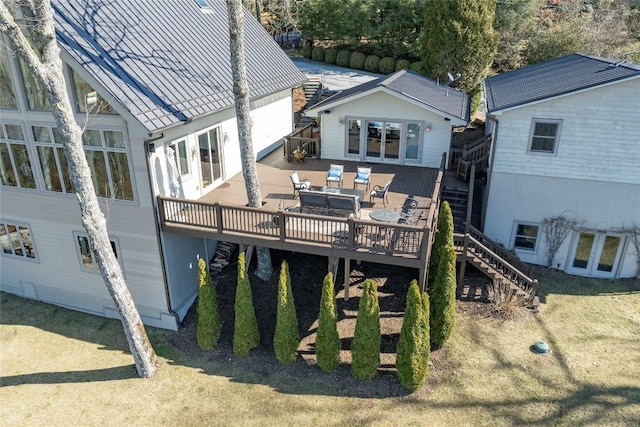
x: 402, y: 64
x: 209, y: 326
x: 372, y: 63
x: 443, y: 298
x: 343, y: 58
x: 286, y: 338
x: 317, y: 54
x: 444, y: 236
x: 306, y: 51
x: 327, y: 338
x: 387, y: 65
x: 357, y: 60
x: 417, y: 66
x: 412, y: 360
x: 365, y: 347
x: 246, y: 336
x: 330, y: 55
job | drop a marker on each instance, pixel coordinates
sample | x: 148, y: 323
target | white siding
x: 381, y: 105
x: 599, y: 138
x: 529, y: 199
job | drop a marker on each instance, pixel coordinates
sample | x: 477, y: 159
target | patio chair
x: 335, y: 174
x: 362, y: 177
x: 380, y: 192
x: 298, y: 184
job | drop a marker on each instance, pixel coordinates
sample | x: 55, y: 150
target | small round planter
x: 299, y: 156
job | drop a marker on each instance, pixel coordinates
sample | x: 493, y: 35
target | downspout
x: 148, y: 146
x: 494, y: 140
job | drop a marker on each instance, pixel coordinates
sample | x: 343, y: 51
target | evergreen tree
x: 443, y: 298
x: 246, y: 336
x: 412, y: 354
x: 458, y: 37
x: 444, y: 236
x: 209, y: 327
x: 286, y: 338
x: 365, y: 347
x: 327, y: 338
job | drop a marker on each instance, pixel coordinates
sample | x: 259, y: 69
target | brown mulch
x: 307, y: 273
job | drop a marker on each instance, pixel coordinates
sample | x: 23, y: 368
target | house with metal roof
x: 402, y: 118
x: 566, y: 159
x: 153, y: 90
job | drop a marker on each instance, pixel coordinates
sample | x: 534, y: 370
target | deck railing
x: 304, y: 140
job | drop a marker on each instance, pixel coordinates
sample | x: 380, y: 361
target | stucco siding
x: 599, y: 138
x: 596, y: 205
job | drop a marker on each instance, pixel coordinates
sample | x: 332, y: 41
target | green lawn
x: 59, y: 367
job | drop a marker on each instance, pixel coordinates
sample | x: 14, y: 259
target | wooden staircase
x: 458, y: 201
x: 496, y: 263
x: 476, y: 152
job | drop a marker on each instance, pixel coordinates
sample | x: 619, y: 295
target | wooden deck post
x: 422, y: 277
x: 248, y: 256
x: 218, y: 209
x: 463, y: 256
x: 347, y: 277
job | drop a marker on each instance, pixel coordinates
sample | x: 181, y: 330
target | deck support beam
x: 248, y: 256
x: 347, y: 277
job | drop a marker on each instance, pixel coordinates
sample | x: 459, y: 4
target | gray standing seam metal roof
x: 413, y: 85
x: 168, y: 62
x: 553, y: 78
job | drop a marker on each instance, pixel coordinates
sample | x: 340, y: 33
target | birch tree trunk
x: 241, y: 94
x: 47, y: 67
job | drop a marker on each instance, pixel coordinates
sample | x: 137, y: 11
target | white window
x: 87, y: 256
x: 544, y: 135
x: 182, y: 161
x: 526, y: 237
x: 53, y: 164
x: 87, y: 98
x: 7, y: 94
x: 16, y: 240
x: 15, y: 163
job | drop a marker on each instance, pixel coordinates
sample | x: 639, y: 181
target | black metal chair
x: 380, y: 192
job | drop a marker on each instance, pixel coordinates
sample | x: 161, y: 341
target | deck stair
x: 476, y: 152
x: 313, y: 89
x: 496, y: 263
x: 458, y: 201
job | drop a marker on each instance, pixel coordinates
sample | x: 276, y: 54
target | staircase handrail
x: 477, y: 150
x: 499, y: 250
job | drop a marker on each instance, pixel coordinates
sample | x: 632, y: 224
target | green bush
x: 387, y: 65
x: 307, y: 51
x: 209, y: 326
x: 330, y: 55
x: 343, y: 58
x: 317, y: 54
x: 476, y: 98
x: 444, y: 236
x: 372, y: 63
x: 417, y: 66
x: 286, y: 338
x: 412, y: 360
x: 327, y: 338
x: 246, y: 336
x: 443, y: 298
x: 357, y: 60
x: 365, y: 347
x: 402, y: 64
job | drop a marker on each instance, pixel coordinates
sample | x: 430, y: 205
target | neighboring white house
x: 154, y: 91
x: 566, y: 142
x: 403, y: 118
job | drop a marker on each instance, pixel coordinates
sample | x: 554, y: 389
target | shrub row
x: 360, y: 61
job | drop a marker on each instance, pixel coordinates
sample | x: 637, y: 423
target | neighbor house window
x: 87, y: 256
x: 15, y: 163
x: 7, y: 94
x: 87, y: 99
x: 16, y: 240
x: 182, y: 161
x: 413, y: 141
x: 526, y: 237
x: 544, y: 135
x: 353, y: 142
x: 53, y: 164
x: 107, y: 157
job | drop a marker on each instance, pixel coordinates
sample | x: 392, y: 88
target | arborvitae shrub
x: 307, y: 51
x: 372, y: 63
x: 209, y: 326
x: 327, y: 338
x: 343, y: 58
x: 402, y: 64
x: 357, y: 60
x: 444, y: 236
x: 365, y: 347
x: 417, y: 66
x: 245, y: 334
x: 317, y: 54
x: 443, y: 298
x: 412, y: 361
x: 286, y: 338
x: 330, y: 55
x: 387, y: 65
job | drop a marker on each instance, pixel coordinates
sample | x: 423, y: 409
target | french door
x: 210, y: 150
x: 595, y: 254
x: 382, y: 143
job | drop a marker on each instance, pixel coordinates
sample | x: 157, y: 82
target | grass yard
x: 60, y: 367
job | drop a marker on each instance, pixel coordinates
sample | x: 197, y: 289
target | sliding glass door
x: 210, y: 151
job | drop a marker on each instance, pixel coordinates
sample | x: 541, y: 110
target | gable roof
x: 553, y: 78
x: 415, y: 86
x: 168, y: 62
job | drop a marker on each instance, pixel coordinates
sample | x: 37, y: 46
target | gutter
x: 494, y: 140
